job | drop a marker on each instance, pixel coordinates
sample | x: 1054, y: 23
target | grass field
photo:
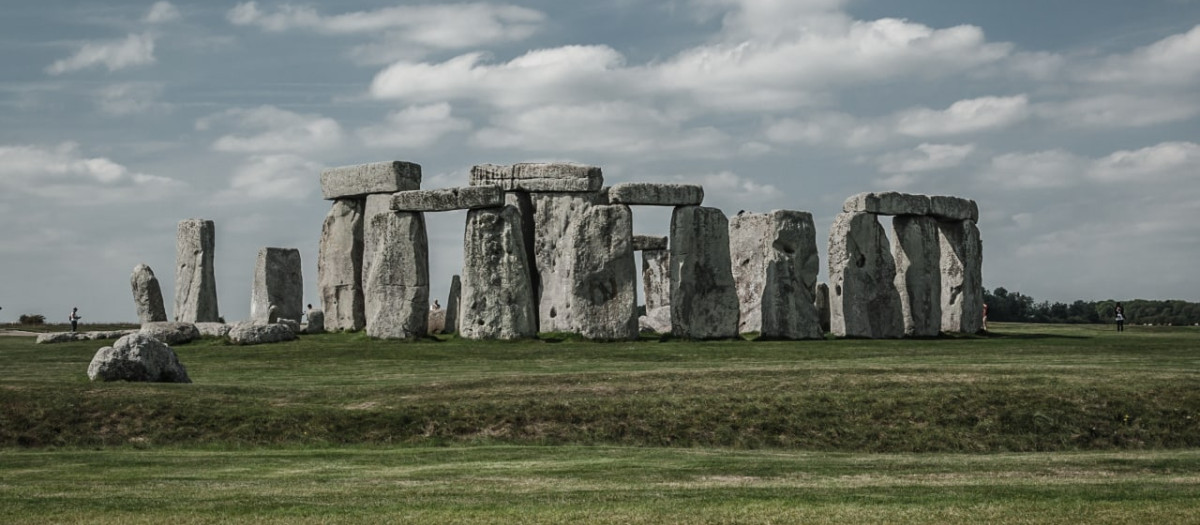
x: 1036, y: 423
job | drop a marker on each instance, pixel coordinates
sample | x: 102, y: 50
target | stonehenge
x: 339, y: 266
x: 195, y: 280
x: 497, y: 295
x: 278, y: 289
x: 656, y: 283
x: 704, y: 302
x: 147, y: 295
x: 775, y: 269
x: 396, y: 275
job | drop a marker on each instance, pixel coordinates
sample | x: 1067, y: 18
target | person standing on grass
x: 1120, y: 318
x: 984, y: 317
x: 74, y: 318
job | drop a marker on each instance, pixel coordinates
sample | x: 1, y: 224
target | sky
x: 1075, y: 124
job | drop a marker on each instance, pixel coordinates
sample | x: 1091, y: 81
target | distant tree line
x: 1004, y: 305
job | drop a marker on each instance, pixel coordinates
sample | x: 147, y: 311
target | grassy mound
x: 1025, y: 388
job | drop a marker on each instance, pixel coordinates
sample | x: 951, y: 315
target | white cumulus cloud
x: 162, y: 12
x: 925, y: 157
x: 131, y: 99
x: 964, y: 116
x: 64, y: 172
x: 1174, y: 60
x: 134, y: 50
x: 270, y: 177
x: 414, y: 127
x: 271, y: 129
x: 1167, y: 161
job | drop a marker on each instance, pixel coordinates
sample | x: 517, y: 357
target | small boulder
x: 59, y: 337
x: 316, y: 322
x: 172, y: 333
x: 213, y: 329
x: 137, y: 357
x: 249, y: 333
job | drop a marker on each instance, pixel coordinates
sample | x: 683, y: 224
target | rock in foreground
x: 137, y: 357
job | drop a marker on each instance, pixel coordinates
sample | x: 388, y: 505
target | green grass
x: 1035, y: 423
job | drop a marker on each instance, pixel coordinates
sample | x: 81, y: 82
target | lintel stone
x: 953, y: 208
x: 448, y: 199
x: 539, y: 177
x: 655, y: 194
x: 642, y: 243
x: 366, y: 179
x: 887, y: 203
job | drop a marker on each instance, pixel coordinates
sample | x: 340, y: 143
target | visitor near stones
x: 74, y: 318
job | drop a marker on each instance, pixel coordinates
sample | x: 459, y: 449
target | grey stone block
x: 862, y: 273
x: 953, y: 208
x: 887, y: 203
x: 366, y: 179
x: 278, y: 289
x: 447, y: 199
x: 704, y: 303
x: 147, y: 295
x: 195, y: 276
x: 539, y: 177
x: 654, y: 194
x: 918, y: 274
x: 649, y: 242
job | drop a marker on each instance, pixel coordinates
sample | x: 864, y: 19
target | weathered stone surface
x: 887, y: 203
x: 654, y: 194
x: 106, y: 334
x: 554, y: 214
x: 437, y: 321
x: 452, y: 305
x: 448, y: 199
x: 918, y: 275
x: 147, y: 295
x: 195, y: 279
x: 339, y: 266
x: 366, y: 179
x: 523, y: 202
x: 656, y: 290
x: 775, y: 268
x: 704, y: 303
x: 603, y: 294
x: 137, y: 357
x: 316, y: 322
x: 251, y: 333
x: 862, y: 291
x: 657, y: 321
x: 396, y: 275
x: 821, y: 300
x: 278, y: 285
x: 961, y: 267
x: 66, y: 337
x: 497, y: 297
x: 649, y: 242
x: 172, y: 333
x: 212, y: 329
x: 539, y: 177
x: 953, y: 208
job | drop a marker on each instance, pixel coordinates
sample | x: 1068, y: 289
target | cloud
x: 964, y: 116
x: 452, y: 26
x: 1164, y: 162
x: 414, y: 127
x: 1121, y: 110
x: 131, y: 99
x: 278, y: 130
x: 162, y: 12
x: 64, y: 173
x: 134, y: 50
x: 828, y: 129
x: 1039, y: 170
x: 1174, y: 60
x: 269, y: 178
x: 925, y: 157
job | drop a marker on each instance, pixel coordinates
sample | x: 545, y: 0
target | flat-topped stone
x: 365, y: 179
x: 448, y: 199
x: 655, y: 194
x: 643, y: 243
x: 887, y: 203
x: 539, y: 177
x: 953, y: 208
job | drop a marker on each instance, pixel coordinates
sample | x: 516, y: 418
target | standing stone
x: 775, y: 268
x: 452, y: 303
x: 316, y: 322
x: 603, y: 292
x: 961, y: 276
x: 821, y: 300
x: 863, y: 297
x: 553, y: 216
x: 497, y: 298
x: 396, y: 275
x: 704, y: 302
x: 195, y: 279
x: 656, y: 286
x: 339, y: 266
x: 918, y: 274
x: 437, y: 321
x: 278, y: 290
x: 147, y: 295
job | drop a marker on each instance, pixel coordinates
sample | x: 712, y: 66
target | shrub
x: 32, y: 319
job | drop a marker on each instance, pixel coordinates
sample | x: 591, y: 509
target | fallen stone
x: 862, y: 291
x: 316, y: 322
x: 67, y: 337
x: 653, y: 194
x: 887, y: 203
x: 278, y: 288
x: 953, y: 208
x: 497, y: 297
x: 603, y: 295
x: 775, y: 268
x: 172, y: 333
x: 649, y: 242
x: 147, y: 295
x: 452, y: 303
x: 961, y: 268
x: 366, y: 179
x: 212, y: 329
x: 251, y: 333
x: 137, y: 357
x: 656, y: 321
x: 821, y: 300
x: 539, y: 177
x: 704, y: 303
x: 396, y: 275
x: 448, y: 199
x: 918, y: 274
x: 437, y: 321
x: 339, y: 266
x: 106, y: 334
x: 195, y: 277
